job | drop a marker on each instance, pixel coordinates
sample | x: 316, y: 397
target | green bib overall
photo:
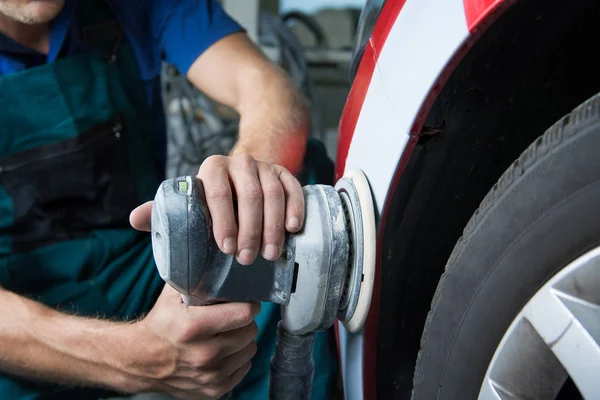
x: 75, y: 159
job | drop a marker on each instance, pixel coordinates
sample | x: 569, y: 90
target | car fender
x: 414, y: 47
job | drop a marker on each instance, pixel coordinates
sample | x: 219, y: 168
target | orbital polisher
x: 326, y: 271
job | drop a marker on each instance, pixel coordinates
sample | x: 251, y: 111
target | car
x: 477, y: 125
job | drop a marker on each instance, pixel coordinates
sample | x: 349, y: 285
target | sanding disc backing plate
x: 354, y: 183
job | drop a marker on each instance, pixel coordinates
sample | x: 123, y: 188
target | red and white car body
x: 414, y: 47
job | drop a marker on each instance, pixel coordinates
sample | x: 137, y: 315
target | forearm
x: 275, y: 118
x: 275, y: 121
x: 39, y: 343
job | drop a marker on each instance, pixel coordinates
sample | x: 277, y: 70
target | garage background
x: 312, y: 39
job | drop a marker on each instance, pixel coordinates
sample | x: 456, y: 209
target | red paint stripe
x: 478, y: 10
x: 360, y: 86
x: 352, y: 108
x: 350, y: 114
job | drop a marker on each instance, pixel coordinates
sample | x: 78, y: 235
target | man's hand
x: 188, y: 352
x: 191, y: 352
x: 269, y: 202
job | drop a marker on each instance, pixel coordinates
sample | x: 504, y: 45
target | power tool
x: 325, y: 273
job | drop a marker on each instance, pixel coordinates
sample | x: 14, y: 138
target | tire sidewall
x: 544, y: 218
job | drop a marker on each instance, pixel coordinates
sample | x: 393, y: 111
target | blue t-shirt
x: 175, y: 31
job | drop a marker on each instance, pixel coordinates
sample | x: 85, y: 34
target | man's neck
x: 34, y: 36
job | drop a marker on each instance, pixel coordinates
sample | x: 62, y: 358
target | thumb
x: 140, y: 217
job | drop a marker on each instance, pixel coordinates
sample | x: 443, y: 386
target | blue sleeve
x: 184, y: 29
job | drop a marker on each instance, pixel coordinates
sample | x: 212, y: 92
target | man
x: 84, y: 313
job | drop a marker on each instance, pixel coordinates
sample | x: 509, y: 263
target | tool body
x: 189, y: 259
x: 325, y: 272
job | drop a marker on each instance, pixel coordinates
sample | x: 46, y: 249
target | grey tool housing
x: 316, y: 280
x: 188, y: 258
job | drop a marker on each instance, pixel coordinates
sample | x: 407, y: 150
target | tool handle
x: 188, y: 258
x: 292, y: 366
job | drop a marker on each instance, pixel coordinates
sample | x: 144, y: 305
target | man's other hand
x: 268, y: 201
x: 191, y: 352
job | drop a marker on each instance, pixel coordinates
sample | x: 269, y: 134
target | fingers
x: 239, y: 359
x: 274, y: 212
x: 214, y: 174
x: 220, y: 356
x: 269, y: 201
x: 210, y: 320
x: 244, y: 175
x: 234, y: 341
x: 237, y: 377
x: 222, y: 371
x: 223, y: 367
x: 294, y: 210
x: 221, y: 386
x: 141, y: 216
x: 229, y: 366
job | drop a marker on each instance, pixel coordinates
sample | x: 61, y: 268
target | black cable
x: 292, y: 366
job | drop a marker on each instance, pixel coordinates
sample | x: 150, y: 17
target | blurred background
x: 311, y: 6
x: 311, y: 39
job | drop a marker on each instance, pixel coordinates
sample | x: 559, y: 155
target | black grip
x: 292, y: 366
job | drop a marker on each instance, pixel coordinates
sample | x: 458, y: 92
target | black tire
x: 542, y: 214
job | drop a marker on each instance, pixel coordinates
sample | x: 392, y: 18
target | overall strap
x: 98, y: 28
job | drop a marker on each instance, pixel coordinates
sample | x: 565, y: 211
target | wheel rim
x: 554, y: 337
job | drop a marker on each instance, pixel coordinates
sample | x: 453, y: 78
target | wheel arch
x: 527, y: 70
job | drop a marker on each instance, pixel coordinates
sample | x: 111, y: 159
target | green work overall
x: 75, y: 159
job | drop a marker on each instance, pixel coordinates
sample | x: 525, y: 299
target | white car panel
x: 423, y: 39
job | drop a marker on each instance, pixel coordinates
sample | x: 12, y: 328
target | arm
x: 217, y: 57
x: 187, y: 352
x: 275, y: 120
x: 212, y: 50
x: 274, y: 129
x: 40, y: 343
